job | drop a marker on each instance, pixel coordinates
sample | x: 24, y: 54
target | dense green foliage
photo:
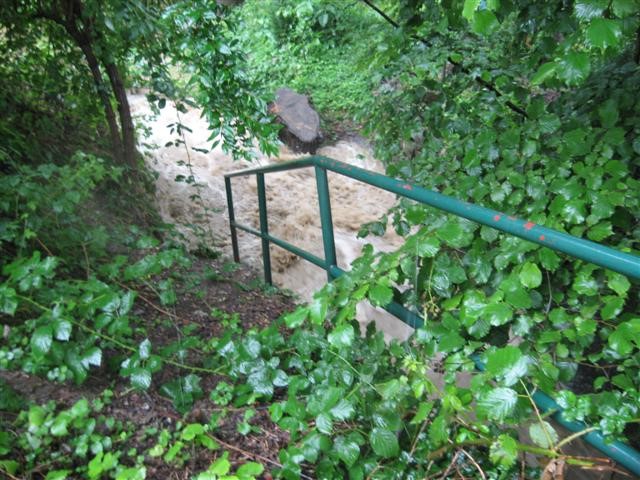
x: 530, y: 109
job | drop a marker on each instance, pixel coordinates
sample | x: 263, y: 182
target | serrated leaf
x: 348, y: 451
x: 384, y: 443
x: 144, y: 349
x: 603, y: 33
x: 318, y: 310
x: 427, y: 247
x: 296, y: 318
x: 504, y: 451
x: 618, y: 283
x: 380, y: 295
x: 497, y: 313
x: 324, y: 423
x: 543, y: 434
x: 546, y: 71
x: 507, y: 363
x: 530, y: 275
x: 343, y: 410
x: 140, y: 378
x: 342, y: 336
x: 588, y: 9
x: 62, y: 330
x: 249, y: 469
x: 42, y: 339
x: 574, y: 68
x: 8, y: 300
x: 498, y: 403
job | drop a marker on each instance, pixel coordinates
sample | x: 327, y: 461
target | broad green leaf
x: 603, y: 33
x: 626, y: 337
x: 469, y: 8
x: 574, y: 68
x: 140, y: 378
x: 8, y: 300
x: 543, y: 434
x: 380, y: 295
x: 324, y: 423
x: 504, y: 451
x: 384, y: 443
x: 439, y: 431
x: 427, y: 247
x: 588, y: 9
x: 546, y: 71
x: 42, y: 339
x: 191, y: 431
x: 497, y: 313
x: 484, y: 22
x: 342, y: 336
x: 57, y: 475
x: 221, y: 466
x: 144, y: 350
x: 133, y: 473
x: 507, y: 363
x: 618, y: 283
x: 62, y: 329
x: 530, y: 275
x: 249, y: 469
x: 348, y: 451
x: 296, y: 318
x: 318, y: 310
x: 625, y: 8
x: 498, y: 403
x: 343, y: 410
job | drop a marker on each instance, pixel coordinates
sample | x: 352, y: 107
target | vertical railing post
x: 325, y: 219
x: 264, y: 228
x: 232, y: 220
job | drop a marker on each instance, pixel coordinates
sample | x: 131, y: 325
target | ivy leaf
x: 42, y: 339
x: 603, y: 33
x: 384, y: 443
x: 348, y: 451
x: 504, y: 451
x: 498, y: 403
x: 530, y: 275
x: 624, y: 337
x: 342, y: 336
x: 543, y: 434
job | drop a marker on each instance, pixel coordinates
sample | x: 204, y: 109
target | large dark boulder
x: 301, y: 123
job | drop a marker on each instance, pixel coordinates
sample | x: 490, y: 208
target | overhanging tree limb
x: 488, y: 85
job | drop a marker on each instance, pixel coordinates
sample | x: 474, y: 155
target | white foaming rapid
x: 292, y: 203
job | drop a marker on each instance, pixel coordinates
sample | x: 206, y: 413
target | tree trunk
x: 117, y: 146
x: 126, y: 122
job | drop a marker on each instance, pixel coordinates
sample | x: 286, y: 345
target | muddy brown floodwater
x: 292, y: 202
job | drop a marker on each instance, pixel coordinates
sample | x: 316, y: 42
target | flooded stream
x: 292, y: 202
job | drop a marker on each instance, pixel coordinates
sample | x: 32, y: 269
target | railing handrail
x: 607, y: 257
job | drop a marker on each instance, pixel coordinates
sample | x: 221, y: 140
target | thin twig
x: 252, y: 455
x: 479, y: 80
x: 475, y: 464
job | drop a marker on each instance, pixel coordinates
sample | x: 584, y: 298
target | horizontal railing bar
x: 276, y: 167
x: 587, y: 250
x: 592, y: 252
x: 286, y: 245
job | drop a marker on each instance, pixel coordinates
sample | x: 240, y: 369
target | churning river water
x: 292, y: 202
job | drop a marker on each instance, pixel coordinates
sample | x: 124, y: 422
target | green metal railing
x: 592, y: 252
